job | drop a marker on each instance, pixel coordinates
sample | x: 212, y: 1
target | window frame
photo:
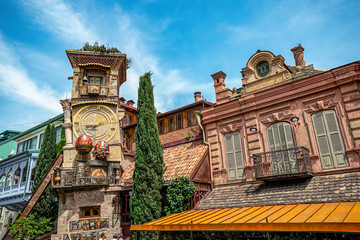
x: 92, y: 208
x: 179, y: 122
x: 161, y: 126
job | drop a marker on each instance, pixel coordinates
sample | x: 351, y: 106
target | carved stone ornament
x: 229, y: 128
x: 277, y: 117
x: 321, y: 105
x: 65, y: 104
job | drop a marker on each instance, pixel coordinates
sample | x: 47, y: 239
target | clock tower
x: 92, y: 118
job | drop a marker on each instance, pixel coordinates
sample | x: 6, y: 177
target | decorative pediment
x: 264, y: 69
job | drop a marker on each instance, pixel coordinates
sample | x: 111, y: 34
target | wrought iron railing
x: 285, y: 163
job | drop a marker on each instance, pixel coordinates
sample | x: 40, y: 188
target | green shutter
x: 234, y: 157
x: 328, y: 137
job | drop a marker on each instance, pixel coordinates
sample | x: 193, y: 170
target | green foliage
x: 46, y: 156
x: 30, y: 227
x: 46, y: 206
x: 103, y: 49
x: 188, y: 137
x: 178, y: 194
x: 145, y: 203
x: 99, y: 48
x: 60, y: 145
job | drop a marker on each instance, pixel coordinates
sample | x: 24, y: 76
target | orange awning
x: 315, y: 217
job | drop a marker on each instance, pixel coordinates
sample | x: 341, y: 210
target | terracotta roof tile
x: 179, y: 160
x: 329, y: 188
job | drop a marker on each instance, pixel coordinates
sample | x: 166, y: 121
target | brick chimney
x: 219, y: 80
x: 130, y: 103
x: 197, y: 96
x: 298, y: 52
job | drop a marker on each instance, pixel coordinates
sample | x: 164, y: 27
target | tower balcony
x: 282, y: 164
x: 69, y: 177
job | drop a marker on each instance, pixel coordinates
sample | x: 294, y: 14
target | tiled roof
x: 329, y: 188
x: 179, y: 160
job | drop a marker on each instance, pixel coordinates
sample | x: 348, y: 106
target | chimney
x: 222, y: 93
x: 130, y: 103
x: 122, y: 100
x: 298, y: 52
x: 219, y: 81
x: 197, y: 96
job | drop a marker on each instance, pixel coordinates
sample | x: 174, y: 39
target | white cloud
x: 119, y: 28
x: 60, y: 19
x: 17, y: 85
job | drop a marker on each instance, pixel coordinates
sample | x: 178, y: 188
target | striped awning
x: 315, y: 217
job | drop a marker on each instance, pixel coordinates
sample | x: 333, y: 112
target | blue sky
x: 182, y: 42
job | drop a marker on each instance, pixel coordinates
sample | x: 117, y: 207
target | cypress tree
x: 46, y: 206
x: 145, y: 203
x: 46, y: 156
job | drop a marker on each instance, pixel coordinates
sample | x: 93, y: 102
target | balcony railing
x: 285, y: 163
x: 69, y: 178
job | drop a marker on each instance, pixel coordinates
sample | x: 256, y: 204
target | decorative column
x: 66, y: 104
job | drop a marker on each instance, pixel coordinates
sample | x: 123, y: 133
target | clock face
x: 97, y: 121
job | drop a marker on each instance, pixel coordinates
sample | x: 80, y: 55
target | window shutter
x: 230, y: 156
x: 336, y: 142
x: 322, y: 140
x: 328, y: 136
x: 234, y: 157
x: 238, y: 156
x: 270, y: 135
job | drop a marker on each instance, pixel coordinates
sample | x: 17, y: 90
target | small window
x: 179, y: 121
x: 171, y: 124
x: 41, y: 138
x: 58, y: 133
x: 130, y: 119
x: 161, y: 127
x: 88, y: 212
x: 20, y: 147
x: 191, y: 118
x: 32, y: 143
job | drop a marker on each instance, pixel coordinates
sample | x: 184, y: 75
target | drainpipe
x: 202, y: 128
x: 27, y: 177
x: 203, y: 132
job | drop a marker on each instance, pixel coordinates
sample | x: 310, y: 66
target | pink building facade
x: 285, y: 122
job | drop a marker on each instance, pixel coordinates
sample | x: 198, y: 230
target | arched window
x: 9, y: 178
x: 17, y: 175
x: 281, y: 144
x: 329, y: 141
x: 234, y: 156
x: 2, y: 180
x: 23, y: 178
